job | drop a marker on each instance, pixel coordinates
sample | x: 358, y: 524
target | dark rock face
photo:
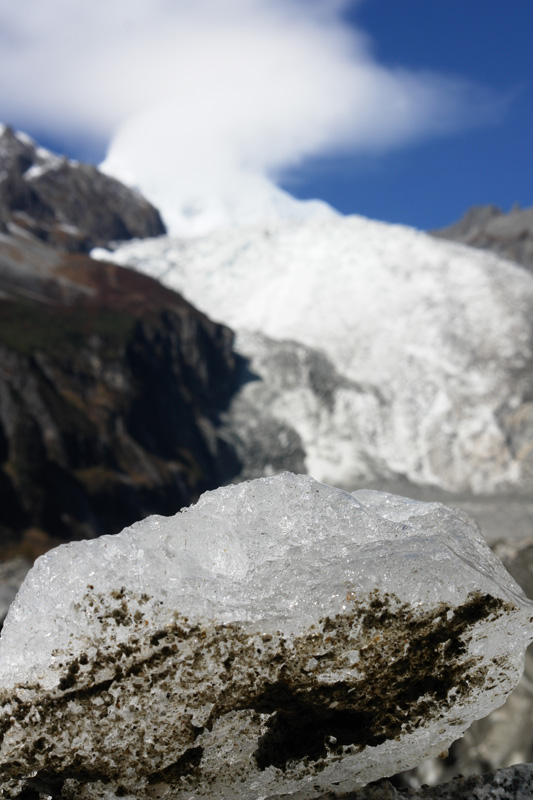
x: 110, y: 385
x: 110, y: 390
x: 489, y: 228
x: 70, y: 205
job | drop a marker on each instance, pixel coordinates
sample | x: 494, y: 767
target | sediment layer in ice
x: 281, y: 635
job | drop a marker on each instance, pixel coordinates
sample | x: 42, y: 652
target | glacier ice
x: 430, y: 343
x: 280, y: 636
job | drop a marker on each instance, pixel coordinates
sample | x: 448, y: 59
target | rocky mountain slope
x: 489, y: 228
x: 109, y: 391
x: 377, y: 352
x: 111, y: 385
x: 70, y: 205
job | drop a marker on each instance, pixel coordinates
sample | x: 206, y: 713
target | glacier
x: 281, y: 636
x: 429, y: 344
x: 210, y: 202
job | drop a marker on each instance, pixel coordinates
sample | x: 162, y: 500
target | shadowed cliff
x: 110, y: 384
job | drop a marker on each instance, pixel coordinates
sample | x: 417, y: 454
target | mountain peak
x: 65, y: 203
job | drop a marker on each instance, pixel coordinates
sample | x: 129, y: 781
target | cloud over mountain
x: 215, y: 91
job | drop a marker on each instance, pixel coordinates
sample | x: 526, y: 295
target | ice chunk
x: 281, y: 635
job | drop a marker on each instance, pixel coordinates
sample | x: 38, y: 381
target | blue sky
x: 77, y: 74
x: 431, y: 183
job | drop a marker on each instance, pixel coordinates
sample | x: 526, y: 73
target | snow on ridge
x: 439, y: 330
x: 45, y: 160
x: 25, y: 139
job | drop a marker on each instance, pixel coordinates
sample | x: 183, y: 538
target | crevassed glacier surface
x: 429, y: 343
x: 281, y: 635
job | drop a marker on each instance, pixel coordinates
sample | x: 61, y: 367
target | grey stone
x: 489, y: 228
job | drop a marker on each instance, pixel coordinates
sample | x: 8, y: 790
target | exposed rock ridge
x: 487, y: 227
x: 68, y: 204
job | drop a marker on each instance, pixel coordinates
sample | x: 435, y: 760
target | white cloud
x: 210, y: 88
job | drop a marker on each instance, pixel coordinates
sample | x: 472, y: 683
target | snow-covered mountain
x: 381, y: 351
x: 70, y: 205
